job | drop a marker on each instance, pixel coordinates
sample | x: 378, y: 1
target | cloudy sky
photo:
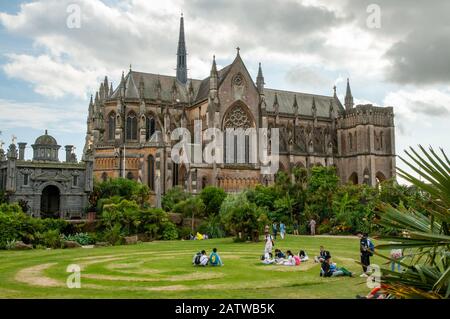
x: 49, y: 68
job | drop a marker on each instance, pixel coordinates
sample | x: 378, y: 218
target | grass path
x: 164, y: 270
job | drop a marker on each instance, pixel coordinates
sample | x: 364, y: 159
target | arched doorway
x: 50, y: 201
x: 353, y: 178
x: 380, y: 177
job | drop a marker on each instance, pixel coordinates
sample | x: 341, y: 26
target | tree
x: 322, y: 184
x: 242, y: 218
x: 212, y: 197
x: 192, y: 207
x: 172, y: 197
x: 424, y: 232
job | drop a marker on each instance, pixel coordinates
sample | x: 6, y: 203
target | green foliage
x: 49, y: 238
x: 114, y: 235
x: 191, y: 207
x: 3, y: 197
x: 170, y: 231
x: 125, y: 213
x: 354, y: 208
x: 213, y: 227
x: 322, y: 184
x: 81, y: 238
x: 241, y: 217
x: 172, y: 197
x: 423, y: 231
x: 213, y: 198
x: 118, y: 188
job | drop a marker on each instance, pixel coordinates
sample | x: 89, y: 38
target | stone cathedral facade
x: 129, y: 127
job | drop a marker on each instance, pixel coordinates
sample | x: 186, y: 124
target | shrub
x: 170, y: 231
x: 324, y: 228
x: 113, y: 235
x: 81, y: 238
x: 213, y: 198
x: 50, y: 239
x: 172, y: 197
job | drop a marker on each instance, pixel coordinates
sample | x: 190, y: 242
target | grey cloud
x: 308, y: 77
x: 420, y: 31
x: 429, y: 109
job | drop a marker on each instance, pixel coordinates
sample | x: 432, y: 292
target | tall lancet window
x: 131, y: 126
x: 150, y: 127
x: 111, y: 126
x: 151, y: 172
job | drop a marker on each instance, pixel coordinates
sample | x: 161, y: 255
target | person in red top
x: 375, y: 293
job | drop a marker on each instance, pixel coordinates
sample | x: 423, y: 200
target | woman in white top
x: 269, y: 243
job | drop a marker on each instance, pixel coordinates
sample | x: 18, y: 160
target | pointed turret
x: 111, y: 90
x: 106, y: 88
x: 348, y: 97
x: 101, y: 91
x: 260, y: 80
x: 213, y: 78
x: 122, y: 85
x: 181, y: 55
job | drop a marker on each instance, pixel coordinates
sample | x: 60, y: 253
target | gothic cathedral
x: 129, y: 128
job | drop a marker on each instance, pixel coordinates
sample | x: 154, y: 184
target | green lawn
x: 164, y: 270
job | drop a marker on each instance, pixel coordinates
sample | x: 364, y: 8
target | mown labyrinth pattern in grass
x: 164, y: 270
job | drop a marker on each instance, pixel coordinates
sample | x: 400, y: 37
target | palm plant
x: 422, y: 231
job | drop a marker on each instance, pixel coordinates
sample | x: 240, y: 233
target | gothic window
x: 175, y: 174
x: 236, y: 118
x: 111, y: 126
x: 130, y: 175
x: 75, y: 180
x: 151, y: 172
x: 350, y: 141
x: 381, y: 140
x: 150, y: 127
x: 238, y: 80
x: 25, y: 179
x: 104, y: 176
x: 131, y: 126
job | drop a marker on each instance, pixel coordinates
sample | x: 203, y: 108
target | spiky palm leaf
x: 424, y: 233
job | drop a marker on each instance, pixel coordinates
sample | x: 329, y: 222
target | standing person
x: 274, y: 230
x: 295, y: 227
x: 268, y: 239
x: 396, y: 256
x: 312, y: 226
x: 282, y: 230
x: 266, y: 229
x: 365, y: 248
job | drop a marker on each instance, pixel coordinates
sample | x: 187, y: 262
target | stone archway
x: 353, y: 178
x: 380, y: 177
x: 50, y: 201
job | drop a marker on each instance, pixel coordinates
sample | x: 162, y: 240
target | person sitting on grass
x: 291, y: 260
x: 322, y: 254
x: 267, y: 259
x: 200, y: 259
x: 214, y: 258
x: 303, y: 256
x: 279, y: 256
x: 329, y: 269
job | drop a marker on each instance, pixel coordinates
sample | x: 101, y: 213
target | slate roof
x: 201, y: 91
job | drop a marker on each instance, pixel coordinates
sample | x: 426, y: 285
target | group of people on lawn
x: 202, y: 259
x: 327, y: 267
x: 281, y: 228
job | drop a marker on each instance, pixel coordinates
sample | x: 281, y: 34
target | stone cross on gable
x: 14, y: 139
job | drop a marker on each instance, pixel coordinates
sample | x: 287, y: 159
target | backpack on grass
x: 197, y: 259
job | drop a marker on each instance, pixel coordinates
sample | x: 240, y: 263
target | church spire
x: 181, y: 55
x: 348, y: 97
x: 260, y: 80
x: 213, y: 77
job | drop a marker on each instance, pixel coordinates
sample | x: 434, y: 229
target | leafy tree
x: 192, y: 207
x: 322, y: 184
x: 172, y: 197
x: 242, y: 218
x: 213, y: 198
